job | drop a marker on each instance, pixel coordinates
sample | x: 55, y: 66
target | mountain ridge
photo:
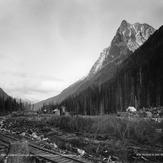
x: 137, y: 81
x: 122, y: 45
x: 132, y: 35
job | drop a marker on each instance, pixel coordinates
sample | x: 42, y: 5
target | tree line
x: 9, y: 104
x: 138, y: 82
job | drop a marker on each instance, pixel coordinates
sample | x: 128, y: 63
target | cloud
x: 45, y: 45
x: 30, y: 76
x: 33, y: 87
x: 2, y: 56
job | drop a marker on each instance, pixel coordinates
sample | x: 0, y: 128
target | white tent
x: 131, y: 109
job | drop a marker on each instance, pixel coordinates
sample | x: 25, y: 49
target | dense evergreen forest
x: 9, y: 105
x: 138, y: 82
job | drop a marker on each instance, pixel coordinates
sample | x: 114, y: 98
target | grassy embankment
x: 138, y: 130
x: 94, y: 134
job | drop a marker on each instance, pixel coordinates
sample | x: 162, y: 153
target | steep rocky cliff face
x: 127, y: 39
x: 137, y: 81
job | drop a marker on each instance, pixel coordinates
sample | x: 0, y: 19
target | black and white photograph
x: 81, y: 81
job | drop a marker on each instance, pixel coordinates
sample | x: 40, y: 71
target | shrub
x: 138, y: 130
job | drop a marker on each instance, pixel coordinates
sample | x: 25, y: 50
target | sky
x: 46, y: 45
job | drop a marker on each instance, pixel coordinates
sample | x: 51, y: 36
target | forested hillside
x: 137, y: 81
x: 127, y: 39
x: 9, y: 104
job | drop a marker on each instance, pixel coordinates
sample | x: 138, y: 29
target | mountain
x: 3, y: 94
x: 126, y: 40
x: 62, y: 96
x: 136, y: 81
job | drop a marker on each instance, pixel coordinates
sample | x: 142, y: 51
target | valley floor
x: 97, y: 138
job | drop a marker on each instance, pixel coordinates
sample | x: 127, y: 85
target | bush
x: 137, y: 130
x: 71, y: 124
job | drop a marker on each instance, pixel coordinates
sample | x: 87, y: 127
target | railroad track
x: 42, y: 153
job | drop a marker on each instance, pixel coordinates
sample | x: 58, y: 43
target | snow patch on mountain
x: 98, y: 65
x: 128, y: 37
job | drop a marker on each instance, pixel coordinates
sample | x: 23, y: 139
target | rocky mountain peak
x: 134, y: 35
x: 124, y: 24
x: 127, y: 39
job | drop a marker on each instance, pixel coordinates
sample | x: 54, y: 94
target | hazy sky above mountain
x: 46, y: 45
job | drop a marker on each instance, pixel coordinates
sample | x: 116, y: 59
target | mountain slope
x: 3, y: 94
x: 8, y: 104
x: 127, y: 39
x: 62, y: 96
x: 137, y: 81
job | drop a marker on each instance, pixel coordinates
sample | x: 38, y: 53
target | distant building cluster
x: 58, y: 111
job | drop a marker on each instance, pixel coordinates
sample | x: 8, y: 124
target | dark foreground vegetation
x: 98, y: 136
